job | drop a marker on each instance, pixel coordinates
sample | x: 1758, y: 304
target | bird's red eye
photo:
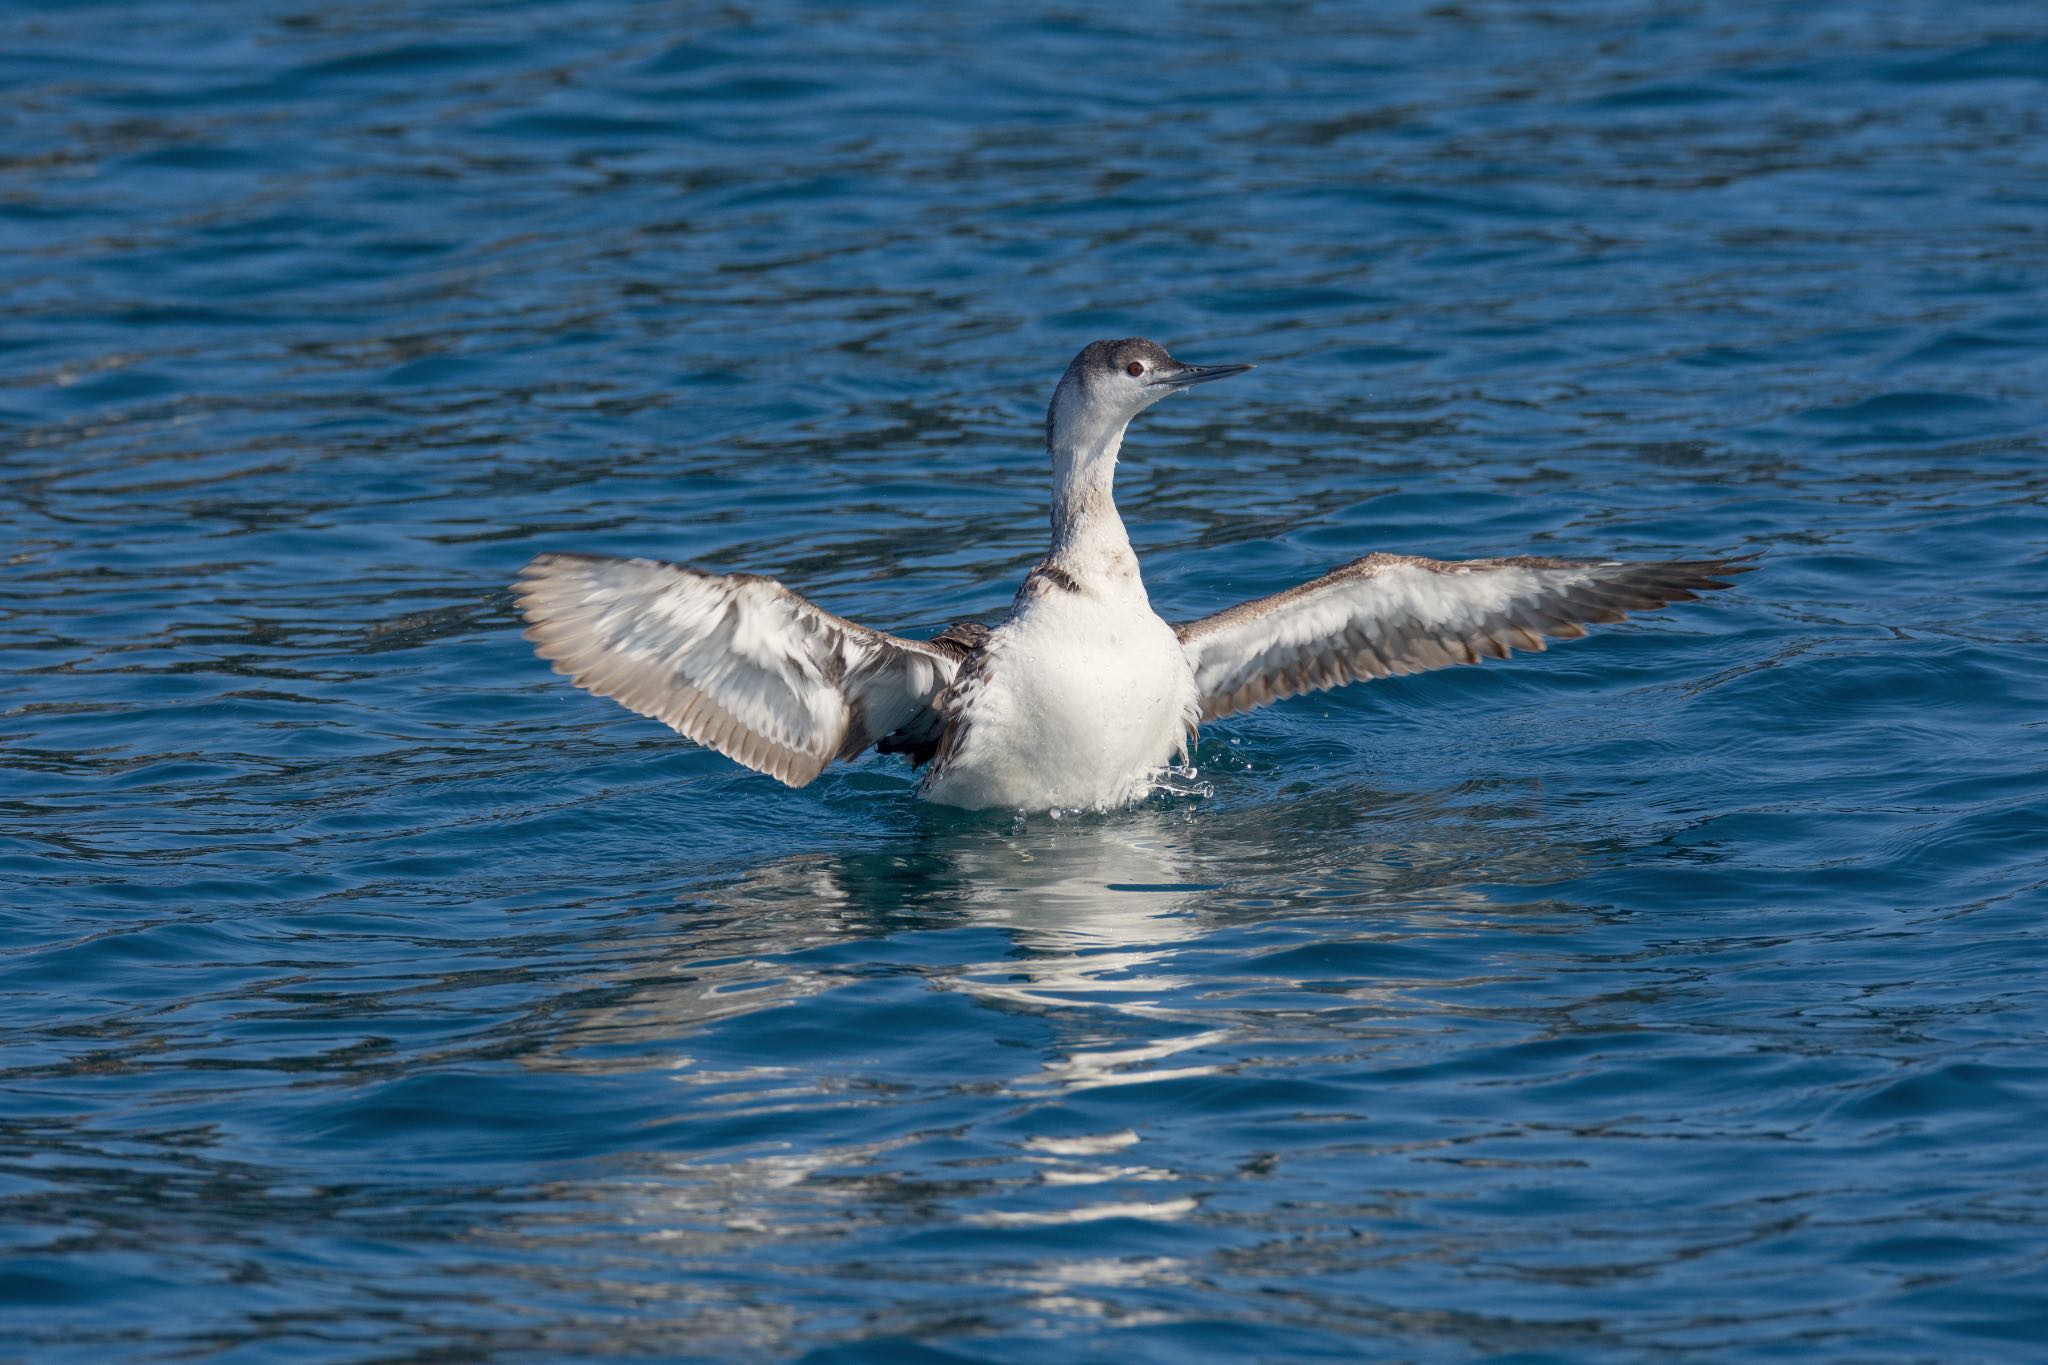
x: 1135, y: 368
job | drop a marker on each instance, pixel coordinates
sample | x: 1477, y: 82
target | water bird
x: 1083, y: 694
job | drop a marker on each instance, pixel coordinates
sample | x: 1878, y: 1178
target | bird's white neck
x: 1088, y: 537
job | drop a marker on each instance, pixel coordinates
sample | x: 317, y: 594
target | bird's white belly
x: 1077, y: 707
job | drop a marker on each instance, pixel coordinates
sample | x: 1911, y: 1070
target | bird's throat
x: 1088, y: 536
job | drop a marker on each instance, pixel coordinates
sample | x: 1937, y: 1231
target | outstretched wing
x: 737, y: 662
x: 1389, y: 614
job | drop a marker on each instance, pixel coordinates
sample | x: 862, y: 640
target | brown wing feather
x: 1394, y: 614
x: 938, y: 727
x: 738, y: 663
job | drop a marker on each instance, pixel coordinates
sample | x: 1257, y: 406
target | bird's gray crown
x: 1107, y: 357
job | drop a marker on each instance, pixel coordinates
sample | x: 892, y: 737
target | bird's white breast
x: 1082, y: 697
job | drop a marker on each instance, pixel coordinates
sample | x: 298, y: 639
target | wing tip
x: 1707, y: 572
x: 546, y: 561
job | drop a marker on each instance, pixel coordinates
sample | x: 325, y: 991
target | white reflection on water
x: 1113, y: 954
x: 1097, y: 920
x: 1094, y: 912
x: 1158, y: 1209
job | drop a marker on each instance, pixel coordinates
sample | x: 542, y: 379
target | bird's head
x: 1111, y: 382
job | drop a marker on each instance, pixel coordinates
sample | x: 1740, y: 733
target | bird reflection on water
x: 1078, y: 914
x: 1095, y: 977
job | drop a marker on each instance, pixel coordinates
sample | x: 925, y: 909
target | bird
x: 1083, y: 695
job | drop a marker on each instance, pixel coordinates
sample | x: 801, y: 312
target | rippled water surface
x: 367, y: 993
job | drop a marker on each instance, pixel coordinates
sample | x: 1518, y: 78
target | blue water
x: 367, y: 993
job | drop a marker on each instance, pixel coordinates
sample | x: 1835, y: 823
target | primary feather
x: 1392, y: 614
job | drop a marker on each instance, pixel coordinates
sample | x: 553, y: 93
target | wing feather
x: 737, y: 662
x: 1387, y: 615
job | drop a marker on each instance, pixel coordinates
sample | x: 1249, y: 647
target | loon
x: 1083, y: 694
